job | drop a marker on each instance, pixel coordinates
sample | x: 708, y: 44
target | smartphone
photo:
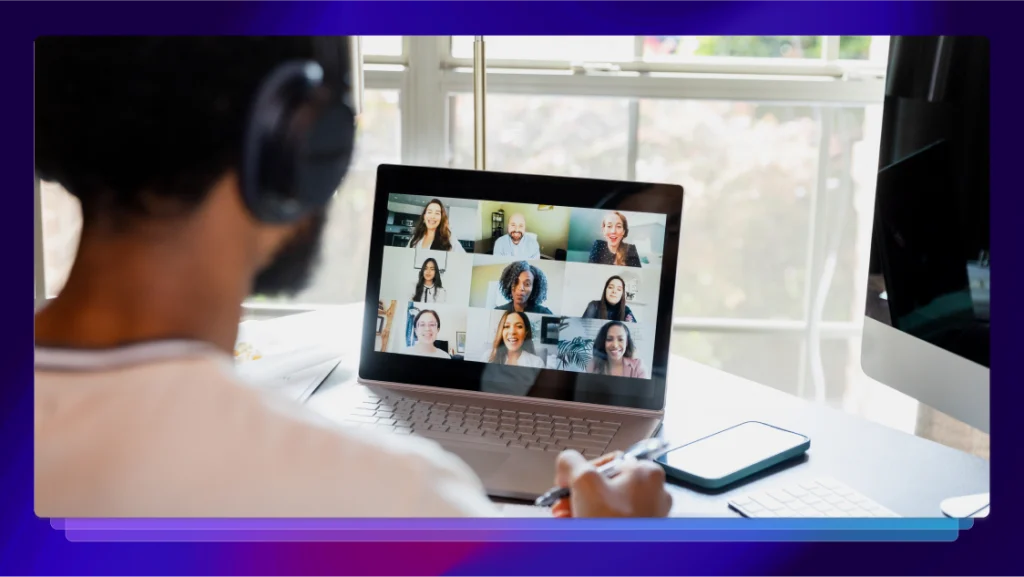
x: 732, y: 454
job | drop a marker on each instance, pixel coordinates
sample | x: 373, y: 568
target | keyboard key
x: 388, y: 422
x: 615, y: 424
x: 474, y: 433
x: 768, y: 503
x: 439, y: 428
x: 529, y: 438
x: 444, y: 436
x: 535, y: 447
x: 403, y: 431
x: 561, y: 435
x: 592, y: 454
x: 510, y: 436
x: 458, y: 430
x: 781, y: 496
x: 796, y: 492
x: 596, y: 443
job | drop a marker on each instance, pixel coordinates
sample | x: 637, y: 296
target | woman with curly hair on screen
x: 613, y: 353
x: 525, y: 286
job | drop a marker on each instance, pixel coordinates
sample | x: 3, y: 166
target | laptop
x: 510, y: 316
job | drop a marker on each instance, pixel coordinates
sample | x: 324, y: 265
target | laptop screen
x: 477, y: 282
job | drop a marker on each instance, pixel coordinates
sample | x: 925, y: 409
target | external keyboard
x: 477, y: 423
x: 817, y: 498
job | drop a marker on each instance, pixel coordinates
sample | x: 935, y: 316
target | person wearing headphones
x: 204, y: 167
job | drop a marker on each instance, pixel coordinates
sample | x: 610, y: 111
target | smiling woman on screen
x: 432, y: 231
x: 612, y: 304
x: 513, y: 343
x: 613, y: 353
x: 614, y: 249
x: 429, y: 288
x: 426, y: 325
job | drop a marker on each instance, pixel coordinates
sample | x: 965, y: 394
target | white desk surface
x: 907, y: 474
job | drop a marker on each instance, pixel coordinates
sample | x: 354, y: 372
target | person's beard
x: 292, y: 268
x: 516, y: 237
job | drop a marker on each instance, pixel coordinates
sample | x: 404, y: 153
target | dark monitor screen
x: 930, y: 263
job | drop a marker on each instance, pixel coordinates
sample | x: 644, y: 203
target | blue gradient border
x: 31, y: 546
x: 513, y: 530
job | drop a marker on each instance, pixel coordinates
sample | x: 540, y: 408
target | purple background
x: 28, y: 545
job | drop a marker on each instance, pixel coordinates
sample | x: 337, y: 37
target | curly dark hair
x: 115, y: 127
x: 509, y: 277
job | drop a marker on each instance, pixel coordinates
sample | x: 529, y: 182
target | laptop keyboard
x: 817, y: 498
x: 477, y: 423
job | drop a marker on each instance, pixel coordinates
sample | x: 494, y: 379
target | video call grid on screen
x: 445, y: 295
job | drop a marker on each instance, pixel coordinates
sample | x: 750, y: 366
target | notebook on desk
x: 554, y: 338
x: 274, y: 356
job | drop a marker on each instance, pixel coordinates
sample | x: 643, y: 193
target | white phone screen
x: 731, y: 450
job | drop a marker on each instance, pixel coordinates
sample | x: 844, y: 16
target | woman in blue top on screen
x: 612, y: 304
x: 432, y: 231
x: 429, y: 288
x: 614, y: 249
x: 525, y: 287
x: 513, y: 343
x: 613, y: 353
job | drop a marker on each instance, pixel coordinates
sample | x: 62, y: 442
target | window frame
x: 426, y: 75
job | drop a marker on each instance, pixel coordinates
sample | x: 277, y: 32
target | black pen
x: 648, y: 449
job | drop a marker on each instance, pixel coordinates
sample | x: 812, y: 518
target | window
x: 689, y: 47
x: 775, y: 139
x: 382, y: 45
x: 585, y: 137
x: 62, y: 224
x: 589, y: 48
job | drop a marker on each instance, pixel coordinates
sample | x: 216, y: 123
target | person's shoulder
x: 535, y: 360
x: 361, y: 472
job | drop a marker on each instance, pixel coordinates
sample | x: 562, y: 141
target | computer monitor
x: 926, y: 326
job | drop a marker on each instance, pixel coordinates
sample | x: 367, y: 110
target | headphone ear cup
x: 298, y: 145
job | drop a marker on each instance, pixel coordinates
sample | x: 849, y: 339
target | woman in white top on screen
x: 513, y: 343
x: 429, y: 288
x: 432, y: 232
x: 426, y: 324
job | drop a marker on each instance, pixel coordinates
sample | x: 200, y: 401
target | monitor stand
x: 966, y: 506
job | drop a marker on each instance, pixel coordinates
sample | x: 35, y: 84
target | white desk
x: 905, y: 473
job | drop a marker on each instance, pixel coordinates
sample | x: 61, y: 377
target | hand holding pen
x: 626, y: 484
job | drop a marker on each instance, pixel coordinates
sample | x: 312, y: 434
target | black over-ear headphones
x: 300, y: 136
